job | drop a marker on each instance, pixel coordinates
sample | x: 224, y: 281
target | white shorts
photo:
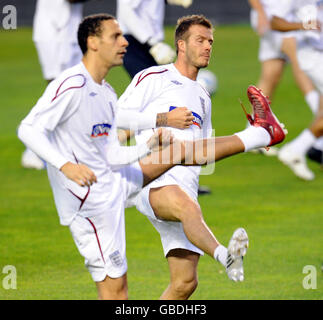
x: 100, y: 238
x: 55, y: 57
x: 171, y: 232
x: 270, y: 47
x: 311, y: 62
x: 270, y: 42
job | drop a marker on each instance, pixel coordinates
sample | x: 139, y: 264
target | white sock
x: 220, y: 254
x: 302, y: 143
x: 318, y: 144
x: 254, y: 137
x: 313, y: 100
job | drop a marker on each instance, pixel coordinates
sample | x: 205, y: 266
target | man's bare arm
x: 283, y: 25
x: 180, y: 118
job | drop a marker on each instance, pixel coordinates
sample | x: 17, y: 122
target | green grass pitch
x: 282, y: 215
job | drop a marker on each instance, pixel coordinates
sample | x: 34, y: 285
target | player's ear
x: 92, y: 43
x: 181, y: 45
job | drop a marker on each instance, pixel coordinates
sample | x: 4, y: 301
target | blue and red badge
x: 100, y: 130
x: 197, y: 118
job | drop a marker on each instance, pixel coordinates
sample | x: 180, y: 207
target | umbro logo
x: 203, y: 105
x: 93, y: 94
x: 177, y: 82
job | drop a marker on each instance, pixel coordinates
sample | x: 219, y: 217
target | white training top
x: 73, y: 121
x: 143, y: 19
x: 56, y: 20
x: 304, y: 11
x: 160, y: 89
x: 271, y: 7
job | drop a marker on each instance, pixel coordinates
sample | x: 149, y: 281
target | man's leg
x: 312, y: 96
x: 271, y: 72
x: 265, y: 130
x: 113, y: 289
x: 137, y: 57
x: 100, y: 239
x: 171, y: 203
x: 317, y: 125
x: 179, y: 221
x: 293, y: 153
x: 315, y: 153
x: 289, y: 47
x: 183, y: 274
x: 189, y: 153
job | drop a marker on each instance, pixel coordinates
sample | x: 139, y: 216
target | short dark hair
x: 91, y: 26
x: 184, y: 23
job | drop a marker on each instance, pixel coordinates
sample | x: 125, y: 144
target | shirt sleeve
x: 120, y: 156
x: 142, y: 89
x: 37, y: 141
x: 59, y: 101
x: 133, y: 120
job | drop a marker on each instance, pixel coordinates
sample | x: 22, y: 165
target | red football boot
x: 263, y: 116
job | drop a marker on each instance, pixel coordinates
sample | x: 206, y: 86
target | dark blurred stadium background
x: 219, y: 11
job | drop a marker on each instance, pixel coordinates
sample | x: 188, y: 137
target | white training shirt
x: 303, y: 11
x: 159, y: 89
x: 56, y: 20
x: 143, y: 19
x: 73, y: 121
x: 272, y: 7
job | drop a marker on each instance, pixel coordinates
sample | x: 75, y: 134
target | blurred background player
x: 142, y: 22
x: 55, y: 36
x: 275, y: 49
x: 305, y: 15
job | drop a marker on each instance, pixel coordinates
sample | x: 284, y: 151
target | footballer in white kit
x: 76, y: 114
x: 55, y: 27
x: 55, y: 35
x: 306, y: 13
x: 142, y: 22
x: 160, y: 89
x: 271, y: 41
x: 310, y: 42
x: 310, y: 48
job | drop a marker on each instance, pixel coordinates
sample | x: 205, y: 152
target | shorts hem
x: 198, y: 251
x: 101, y: 276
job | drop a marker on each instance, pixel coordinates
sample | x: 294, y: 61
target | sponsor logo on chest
x: 101, y: 129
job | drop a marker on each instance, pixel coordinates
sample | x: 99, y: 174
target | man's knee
x: 113, y: 294
x: 113, y: 289
x: 270, y: 75
x: 191, y: 211
x: 188, y: 212
x: 184, y: 288
x: 179, y: 205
